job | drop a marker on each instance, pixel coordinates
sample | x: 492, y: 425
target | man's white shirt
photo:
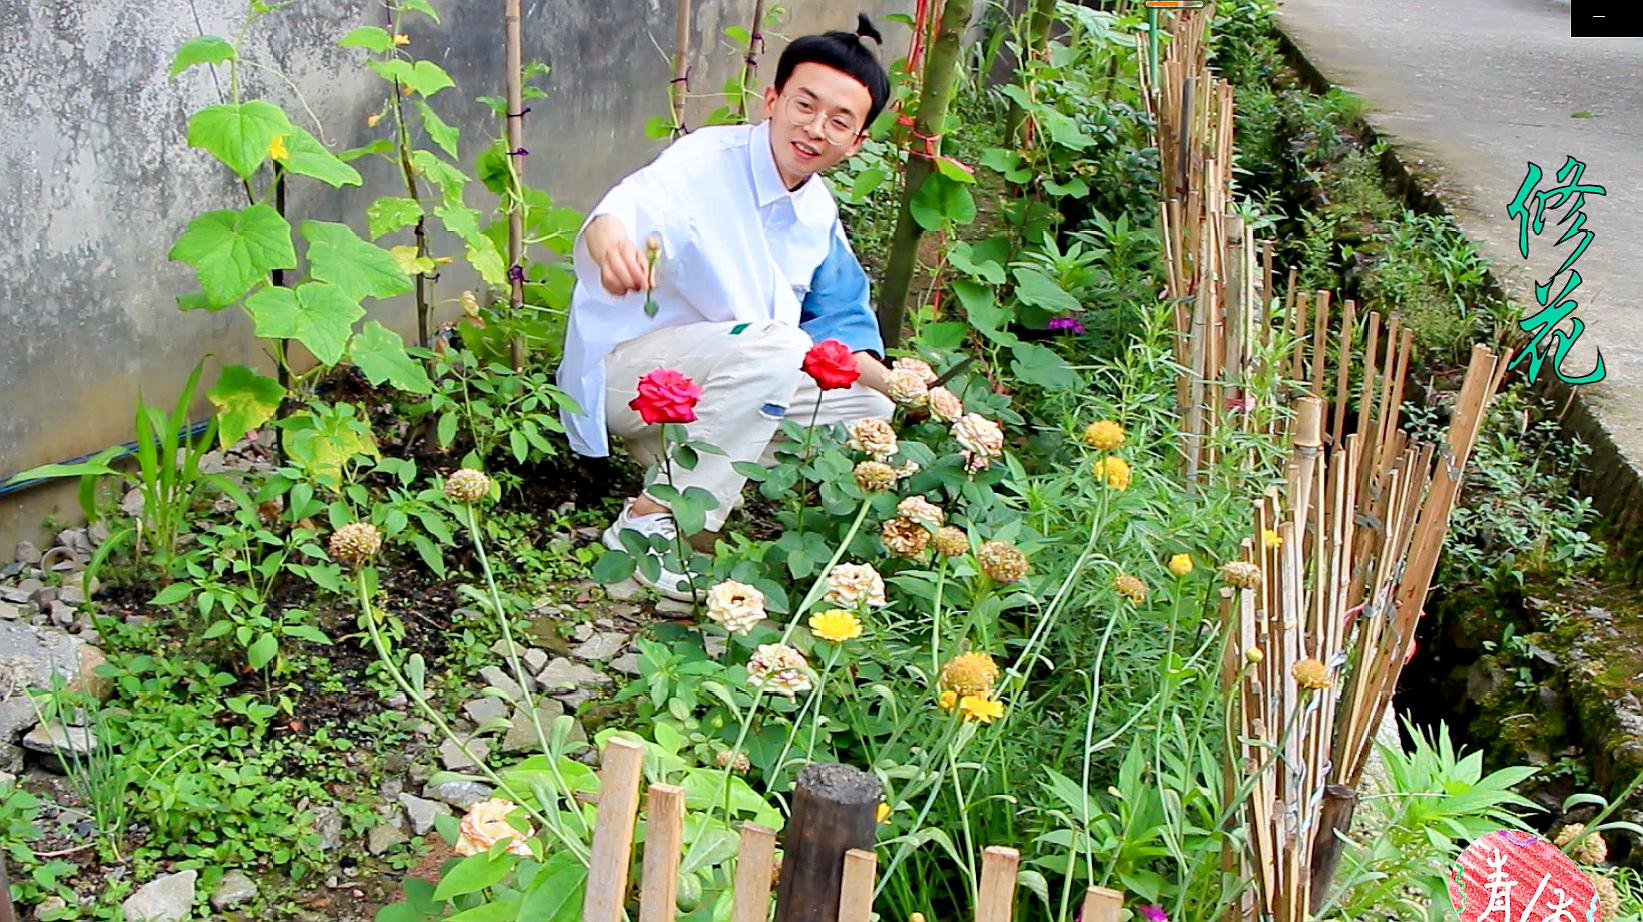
x: 736, y: 245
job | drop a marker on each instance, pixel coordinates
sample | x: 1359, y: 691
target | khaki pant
x: 751, y: 380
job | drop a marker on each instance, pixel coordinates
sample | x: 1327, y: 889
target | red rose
x: 666, y: 396
x: 831, y: 364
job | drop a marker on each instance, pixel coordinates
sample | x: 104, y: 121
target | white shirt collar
x: 809, y: 200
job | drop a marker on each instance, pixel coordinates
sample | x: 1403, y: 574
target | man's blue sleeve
x: 838, y: 305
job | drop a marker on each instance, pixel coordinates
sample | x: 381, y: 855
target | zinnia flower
x: 355, y: 542
x: 980, y: 708
x: 1310, y: 673
x: 950, y: 541
x: 905, y: 537
x: 737, y: 606
x: 1591, y: 850
x: 836, y: 625
x: 1130, y: 587
x: 874, y: 437
x: 1104, y: 434
x: 486, y: 824
x: 1066, y: 323
x: 944, y: 404
x: 666, y: 396
x: 1180, y: 564
x: 778, y: 669
x: 875, y: 476
x: 906, y: 388
x: 1115, y: 471
x: 735, y: 761
x: 1271, y: 539
x: 832, y: 366
x: 1002, y: 561
x: 969, y: 674
x: 467, y: 486
x: 853, y: 584
x: 921, y: 510
x: 1240, y: 574
x: 919, y: 367
x: 983, y: 440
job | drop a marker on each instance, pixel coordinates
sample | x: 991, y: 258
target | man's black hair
x: 842, y: 51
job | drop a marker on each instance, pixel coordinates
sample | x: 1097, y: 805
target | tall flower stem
x: 678, y: 536
x: 935, y: 627
x: 804, y: 485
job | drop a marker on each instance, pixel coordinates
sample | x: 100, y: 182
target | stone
x: 582, y: 631
x: 420, y: 813
x: 7, y: 779
x: 52, y: 907
x: 522, y: 733
x: 44, y: 596
x: 500, y: 648
x: 62, y: 613
x: 133, y: 502
x: 78, y: 542
x: 627, y: 664
x: 384, y: 836
x: 164, y: 899
x: 575, y: 699
x: 672, y: 606
x: 391, y: 788
x: 396, y: 700
x: 235, y: 889
x: 56, y: 740
x: 9, y: 612
x: 454, y: 759
x: 535, y: 660
x: 22, y: 591
x: 562, y: 674
x: 328, y: 824
x: 72, y: 593
x: 487, y: 708
x: 625, y: 591
x: 496, y: 678
x: 459, y: 794
x: 27, y: 554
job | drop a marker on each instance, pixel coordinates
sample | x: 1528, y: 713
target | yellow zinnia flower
x: 277, y: 149
x: 947, y: 700
x: 835, y: 625
x: 1180, y: 564
x: 976, y: 707
x: 1270, y: 538
x: 1115, y: 471
x: 1104, y: 434
x: 969, y: 674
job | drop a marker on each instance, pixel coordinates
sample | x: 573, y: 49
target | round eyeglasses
x: 838, y: 130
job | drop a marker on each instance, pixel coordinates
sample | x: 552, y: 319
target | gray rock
x: 496, y: 678
x: 235, y: 889
x: 564, y: 675
x: 627, y: 664
x: 582, y: 631
x: 384, y: 836
x: 62, y: 613
x: 535, y: 660
x: 601, y: 646
x: 575, y: 699
x: 500, y: 648
x: 44, y: 596
x: 522, y: 733
x: 9, y: 612
x: 133, y: 502
x: 7, y: 778
x: 164, y: 899
x: 23, y: 591
x: 78, y: 542
x: 454, y: 759
x: 459, y: 794
x: 72, y: 592
x: 485, y: 709
x: 27, y: 554
x: 54, y: 739
x: 672, y: 606
x: 420, y: 813
x: 50, y: 908
x: 396, y: 700
x: 328, y: 824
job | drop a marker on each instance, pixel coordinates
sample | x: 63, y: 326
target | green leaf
x: 950, y: 169
x: 244, y: 401
x: 556, y: 894
x: 232, y: 251
x: 503, y: 911
x: 323, y: 447
x: 424, y: 77
x: 962, y: 255
x: 371, y: 38
x: 204, y: 49
x: 612, y: 567
x: 939, y: 199
x: 258, y: 654
x: 358, y: 268
x: 658, y: 127
x: 1039, y: 290
x: 238, y: 135
x: 474, y: 873
x: 1063, y: 130
x: 172, y: 594
x: 380, y: 354
x: 439, y: 131
x: 420, y: 6
x: 390, y: 213
x: 1041, y: 365
x: 981, y: 306
x: 943, y: 337
x: 1074, y: 188
x: 449, y: 179
x: 318, y: 315
x: 463, y: 221
x: 306, y: 156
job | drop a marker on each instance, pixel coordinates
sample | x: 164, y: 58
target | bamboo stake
x: 516, y: 209
x: 755, y: 39
x: 681, y: 65
x: 1320, y: 343
x: 1344, y: 372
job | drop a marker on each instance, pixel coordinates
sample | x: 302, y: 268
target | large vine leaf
x: 358, y: 268
x: 307, y: 156
x: 1039, y: 290
x: 203, y: 49
x: 380, y: 354
x: 390, y: 213
x: 231, y: 251
x: 327, y: 443
x: 244, y: 401
x: 239, y: 134
x: 424, y: 78
x: 318, y: 315
x: 439, y: 131
x: 449, y: 179
x: 482, y: 252
x: 939, y: 199
x: 371, y: 38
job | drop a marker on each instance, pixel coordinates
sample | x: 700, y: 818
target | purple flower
x: 1152, y: 912
x: 1068, y: 323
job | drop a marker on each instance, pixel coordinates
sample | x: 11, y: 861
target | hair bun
x: 865, y: 29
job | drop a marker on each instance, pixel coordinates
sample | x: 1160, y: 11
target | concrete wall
x: 96, y: 181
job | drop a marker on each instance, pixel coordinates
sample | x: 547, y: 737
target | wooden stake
x: 753, y: 864
x: 664, y: 832
x: 1102, y: 905
x: 1344, y: 372
x: 997, y: 900
x: 856, y: 886
x: 613, y: 831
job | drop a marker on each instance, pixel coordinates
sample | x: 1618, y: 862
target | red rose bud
x: 831, y: 364
x: 666, y: 396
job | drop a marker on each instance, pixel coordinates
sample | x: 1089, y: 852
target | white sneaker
x: 670, y: 583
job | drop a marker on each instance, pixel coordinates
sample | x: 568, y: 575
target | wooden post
x: 664, y: 833
x: 834, y: 810
x: 753, y: 864
x: 613, y: 831
x: 1336, y: 814
x: 997, y: 900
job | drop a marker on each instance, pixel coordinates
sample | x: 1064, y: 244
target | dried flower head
x: 950, y: 541
x: 922, y: 511
x: 1104, y: 434
x: 356, y: 542
x: 1002, y: 561
x: 836, y: 625
x: 1589, y: 850
x: 944, y: 404
x: 906, y: 388
x: 1608, y: 896
x: 874, y: 437
x: 1254, y: 655
x: 875, y: 476
x: 969, y: 674
x: 853, y: 585
x: 467, y: 485
x: 905, y: 537
x: 1115, y: 471
x: 1130, y: 587
x: 1240, y: 574
x: 1180, y: 564
x: 778, y: 669
x: 735, y: 761
x: 983, y: 440
x: 485, y: 824
x: 1310, y: 673
x: 919, y: 367
x: 737, y: 606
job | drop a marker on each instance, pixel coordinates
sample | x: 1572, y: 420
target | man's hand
x: 622, y: 264
x: 873, y: 372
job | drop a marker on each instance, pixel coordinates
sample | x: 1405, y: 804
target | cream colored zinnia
x: 737, y: 606
x: 1241, y: 574
x: 906, y: 388
x: 779, y: 669
x: 1002, y: 561
x: 905, y: 537
x: 875, y: 476
x: 467, y: 485
x: 982, y: 439
x: 950, y: 541
x: 944, y: 404
x: 874, y: 437
x: 853, y: 585
x: 486, y: 824
x: 922, y: 511
x: 355, y: 543
x: 1590, y: 850
x: 918, y: 368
